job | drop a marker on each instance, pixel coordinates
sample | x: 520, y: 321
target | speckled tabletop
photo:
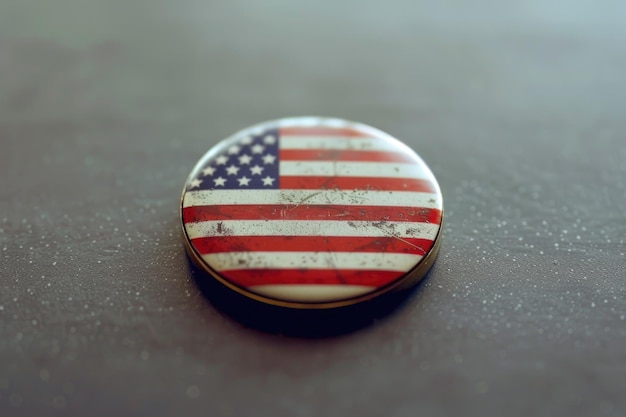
x: 518, y: 107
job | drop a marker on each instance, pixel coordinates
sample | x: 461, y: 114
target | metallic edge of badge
x: 409, y: 280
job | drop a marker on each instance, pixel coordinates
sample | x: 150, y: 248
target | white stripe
x: 371, y: 261
x: 312, y: 197
x: 311, y: 293
x: 311, y: 228
x: 337, y: 142
x: 352, y: 169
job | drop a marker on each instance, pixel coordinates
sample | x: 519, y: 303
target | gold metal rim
x: 409, y: 280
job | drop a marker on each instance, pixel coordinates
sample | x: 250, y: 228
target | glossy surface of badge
x: 312, y: 213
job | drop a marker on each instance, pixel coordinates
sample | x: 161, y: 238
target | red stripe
x: 221, y: 244
x: 305, y: 212
x: 344, y: 155
x: 356, y: 183
x: 250, y: 277
x: 321, y: 131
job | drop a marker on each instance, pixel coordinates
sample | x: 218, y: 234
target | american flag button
x: 312, y: 212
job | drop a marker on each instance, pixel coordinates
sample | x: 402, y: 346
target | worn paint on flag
x: 311, y: 210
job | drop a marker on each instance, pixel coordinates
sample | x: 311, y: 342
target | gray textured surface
x: 517, y: 106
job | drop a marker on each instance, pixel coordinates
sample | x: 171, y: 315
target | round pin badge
x: 312, y: 212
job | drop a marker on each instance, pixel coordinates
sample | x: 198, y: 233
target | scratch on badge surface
x: 306, y: 198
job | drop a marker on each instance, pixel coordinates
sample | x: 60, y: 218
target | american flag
x: 312, y: 210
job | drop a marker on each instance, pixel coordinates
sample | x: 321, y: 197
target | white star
x: 269, y: 140
x: 232, y: 170
x: 258, y: 149
x: 256, y: 170
x: 243, y: 181
x: 208, y: 171
x: 233, y: 150
x: 195, y: 183
x: 268, y: 180
x: 221, y: 160
x: 219, y: 181
x: 269, y: 159
x: 246, y: 141
x: 245, y: 159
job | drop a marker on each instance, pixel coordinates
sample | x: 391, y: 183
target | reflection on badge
x: 312, y: 213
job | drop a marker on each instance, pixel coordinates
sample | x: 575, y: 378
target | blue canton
x: 249, y: 164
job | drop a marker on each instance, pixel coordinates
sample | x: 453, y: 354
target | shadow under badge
x: 298, y: 322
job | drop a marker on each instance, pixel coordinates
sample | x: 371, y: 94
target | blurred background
x: 517, y: 106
